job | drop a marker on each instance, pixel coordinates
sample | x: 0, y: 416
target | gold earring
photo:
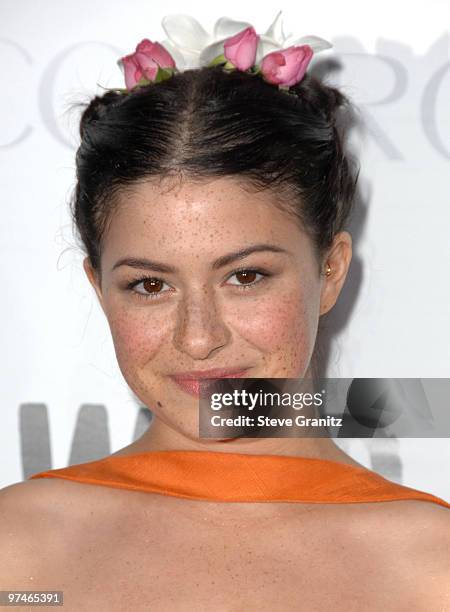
x: 328, y: 272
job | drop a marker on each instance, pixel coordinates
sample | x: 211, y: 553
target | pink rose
x: 286, y: 67
x: 144, y: 62
x: 240, y: 49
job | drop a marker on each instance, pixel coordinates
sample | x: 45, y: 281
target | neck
x: 160, y: 437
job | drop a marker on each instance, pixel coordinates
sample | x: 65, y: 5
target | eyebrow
x: 224, y: 260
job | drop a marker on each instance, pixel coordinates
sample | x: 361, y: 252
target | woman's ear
x: 338, y: 259
x: 93, y: 279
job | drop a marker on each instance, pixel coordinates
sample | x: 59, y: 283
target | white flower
x: 192, y: 46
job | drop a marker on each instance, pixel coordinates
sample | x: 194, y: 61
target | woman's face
x: 178, y: 296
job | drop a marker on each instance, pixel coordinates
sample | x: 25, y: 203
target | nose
x: 200, y: 328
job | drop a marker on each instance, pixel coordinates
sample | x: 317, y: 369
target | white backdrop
x: 64, y: 399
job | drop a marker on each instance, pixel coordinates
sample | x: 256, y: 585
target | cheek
x: 137, y: 337
x: 283, y: 329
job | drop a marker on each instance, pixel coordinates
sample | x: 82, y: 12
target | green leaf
x: 220, y: 59
x: 159, y: 75
x: 142, y: 81
x: 118, y: 89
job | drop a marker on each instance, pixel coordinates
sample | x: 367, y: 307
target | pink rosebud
x: 144, y: 62
x: 286, y: 67
x: 240, y: 49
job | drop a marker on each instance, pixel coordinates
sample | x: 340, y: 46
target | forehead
x: 200, y: 216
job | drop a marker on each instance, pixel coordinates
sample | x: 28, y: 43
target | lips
x: 190, y: 382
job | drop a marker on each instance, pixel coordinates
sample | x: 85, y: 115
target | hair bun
x: 320, y: 97
x: 96, y: 109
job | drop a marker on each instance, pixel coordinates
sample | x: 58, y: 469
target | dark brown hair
x: 208, y: 122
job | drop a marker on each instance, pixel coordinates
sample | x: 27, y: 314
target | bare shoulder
x: 41, y: 521
x: 21, y: 500
x: 427, y: 527
x: 55, y: 502
x: 35, y: 500
x: 429, y: 550
x: 420, y: 520
x: 32, y: 504
x: 410, y: 524
x: 413, y: 537
x: 27, y: 517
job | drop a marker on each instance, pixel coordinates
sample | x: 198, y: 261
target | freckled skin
x: 201, y: 318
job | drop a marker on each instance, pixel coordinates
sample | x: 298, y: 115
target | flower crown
x: 234, y: 44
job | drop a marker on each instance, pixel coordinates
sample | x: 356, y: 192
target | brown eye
x: 246, y: 276
x: 147, y: 287
x: 152, y: 285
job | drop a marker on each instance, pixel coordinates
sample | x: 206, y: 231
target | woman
x: 211, y: 206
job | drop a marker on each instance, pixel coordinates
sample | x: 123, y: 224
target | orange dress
x: 238, y: 477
